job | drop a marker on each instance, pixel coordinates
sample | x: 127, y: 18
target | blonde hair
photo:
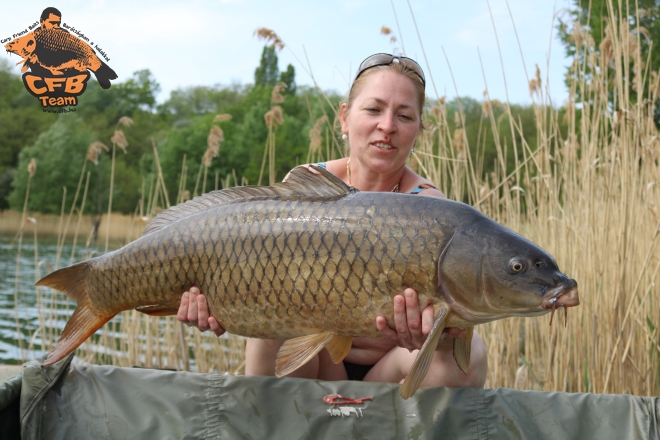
x: 399, y: 68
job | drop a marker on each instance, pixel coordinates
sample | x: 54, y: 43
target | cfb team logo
x: 58, y: 61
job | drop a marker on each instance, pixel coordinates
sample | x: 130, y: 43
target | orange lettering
x: 44, y: 101
x: 75, y: 84
x: 54, y: 83
x: 31, y: 80
x: 52, y: 102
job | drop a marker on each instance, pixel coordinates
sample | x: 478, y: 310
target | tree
x: 588, y: 34
x: 267, y: 73
x: 60, y: 152
x: 21, y: 121
x: 199, y: 100
x: 288, y: 77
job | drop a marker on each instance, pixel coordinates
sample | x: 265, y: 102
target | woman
x: 381, y: 121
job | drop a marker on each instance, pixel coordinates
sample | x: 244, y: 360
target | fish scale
x: 351, y: 264
x: 315, y: 262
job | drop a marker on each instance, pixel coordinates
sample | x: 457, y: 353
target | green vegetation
x: 582, y: 181
x: 180, y: 128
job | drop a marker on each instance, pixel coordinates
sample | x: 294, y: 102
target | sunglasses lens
x: 385, y: 59
x: 380, y: 59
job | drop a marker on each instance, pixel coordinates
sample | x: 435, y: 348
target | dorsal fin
x: 302, y: 183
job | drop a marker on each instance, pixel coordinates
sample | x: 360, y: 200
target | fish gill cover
x: 56, y: 63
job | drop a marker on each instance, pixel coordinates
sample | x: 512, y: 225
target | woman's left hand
x: 412, y: 325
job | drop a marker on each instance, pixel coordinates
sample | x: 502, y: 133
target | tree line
x: 179, y: 129
x: 302, y: 127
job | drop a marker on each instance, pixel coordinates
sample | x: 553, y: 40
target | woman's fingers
x: 192, y: 307
x: 401, y: 323
x: 409, y: 323
x: 386, y: 331
x: 194, y: 311
x: 182, y: 314
x: 414, y: 319
x: 202, y: 313
x: 216, y: 327
x: 427, y: 320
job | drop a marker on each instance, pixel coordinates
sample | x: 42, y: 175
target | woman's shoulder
x: 416, y: 184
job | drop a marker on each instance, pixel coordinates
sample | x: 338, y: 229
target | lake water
x: 19, y: 296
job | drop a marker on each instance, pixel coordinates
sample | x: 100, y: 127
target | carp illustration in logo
x: 58, y: 62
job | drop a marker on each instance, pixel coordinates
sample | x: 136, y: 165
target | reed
x: 590, y: 198
x: 588, y: 194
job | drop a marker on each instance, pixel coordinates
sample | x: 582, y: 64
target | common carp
x: 56, y: 50
x: 315, y: 262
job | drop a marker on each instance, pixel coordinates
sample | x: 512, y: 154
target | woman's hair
x: 394, y: 67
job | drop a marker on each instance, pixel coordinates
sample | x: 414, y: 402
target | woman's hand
x: 194, y: 312
x: 412, y: 325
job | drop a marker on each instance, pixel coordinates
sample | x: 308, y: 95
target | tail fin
x: 104, y: 74
x: 85, y: 319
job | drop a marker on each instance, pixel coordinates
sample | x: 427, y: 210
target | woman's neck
x: 364, y: 179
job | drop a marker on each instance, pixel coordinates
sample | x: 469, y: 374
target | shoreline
x: 123, y: 228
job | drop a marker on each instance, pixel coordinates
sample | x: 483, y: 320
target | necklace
x: 348, y: 174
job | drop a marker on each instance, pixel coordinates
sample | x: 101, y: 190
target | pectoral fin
x: 421, y: 364
x: 462, y: 348
x: 295, y: 353
x: 339, y: 346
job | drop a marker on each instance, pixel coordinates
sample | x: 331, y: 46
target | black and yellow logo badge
x: 56, y: 63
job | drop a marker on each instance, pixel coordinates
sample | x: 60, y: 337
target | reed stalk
x: 586, y: 191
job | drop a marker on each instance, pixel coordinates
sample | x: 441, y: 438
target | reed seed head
x: 459, y: 143
x: 436, y: 112
x: 222, y: 117
x: 93, y: 151
x: 270, y: 36
x: 384, y: 30
x: 276, y: 97
x: 208, y: 156
x: 32, y: 167
x: 216, y: 135
x: 273, y: 117
x: 119, y: 140
x: 125, y: 121
x: 316, y: 134
x: 485, y: 108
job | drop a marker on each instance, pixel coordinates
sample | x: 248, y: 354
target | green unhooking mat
x: 79, y: 401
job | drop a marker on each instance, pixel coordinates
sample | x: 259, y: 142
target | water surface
x: 20, y: 314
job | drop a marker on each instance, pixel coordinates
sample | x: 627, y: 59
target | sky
x: 203, y: 42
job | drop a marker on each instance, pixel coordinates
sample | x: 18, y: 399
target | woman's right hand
x: 194, y: 312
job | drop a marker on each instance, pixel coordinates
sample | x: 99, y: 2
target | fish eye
x: 516, y: 265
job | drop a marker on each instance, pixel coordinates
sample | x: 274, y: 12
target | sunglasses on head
x: 385, y: 59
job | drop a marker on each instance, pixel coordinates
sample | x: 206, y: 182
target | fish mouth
x: 565, y: 295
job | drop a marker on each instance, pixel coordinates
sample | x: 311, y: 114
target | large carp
x: 315, y: 262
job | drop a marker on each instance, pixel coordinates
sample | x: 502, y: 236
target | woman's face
x: 383, y: 122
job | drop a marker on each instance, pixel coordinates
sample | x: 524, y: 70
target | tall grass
x: 589, y: 196
x: 591, y: 199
